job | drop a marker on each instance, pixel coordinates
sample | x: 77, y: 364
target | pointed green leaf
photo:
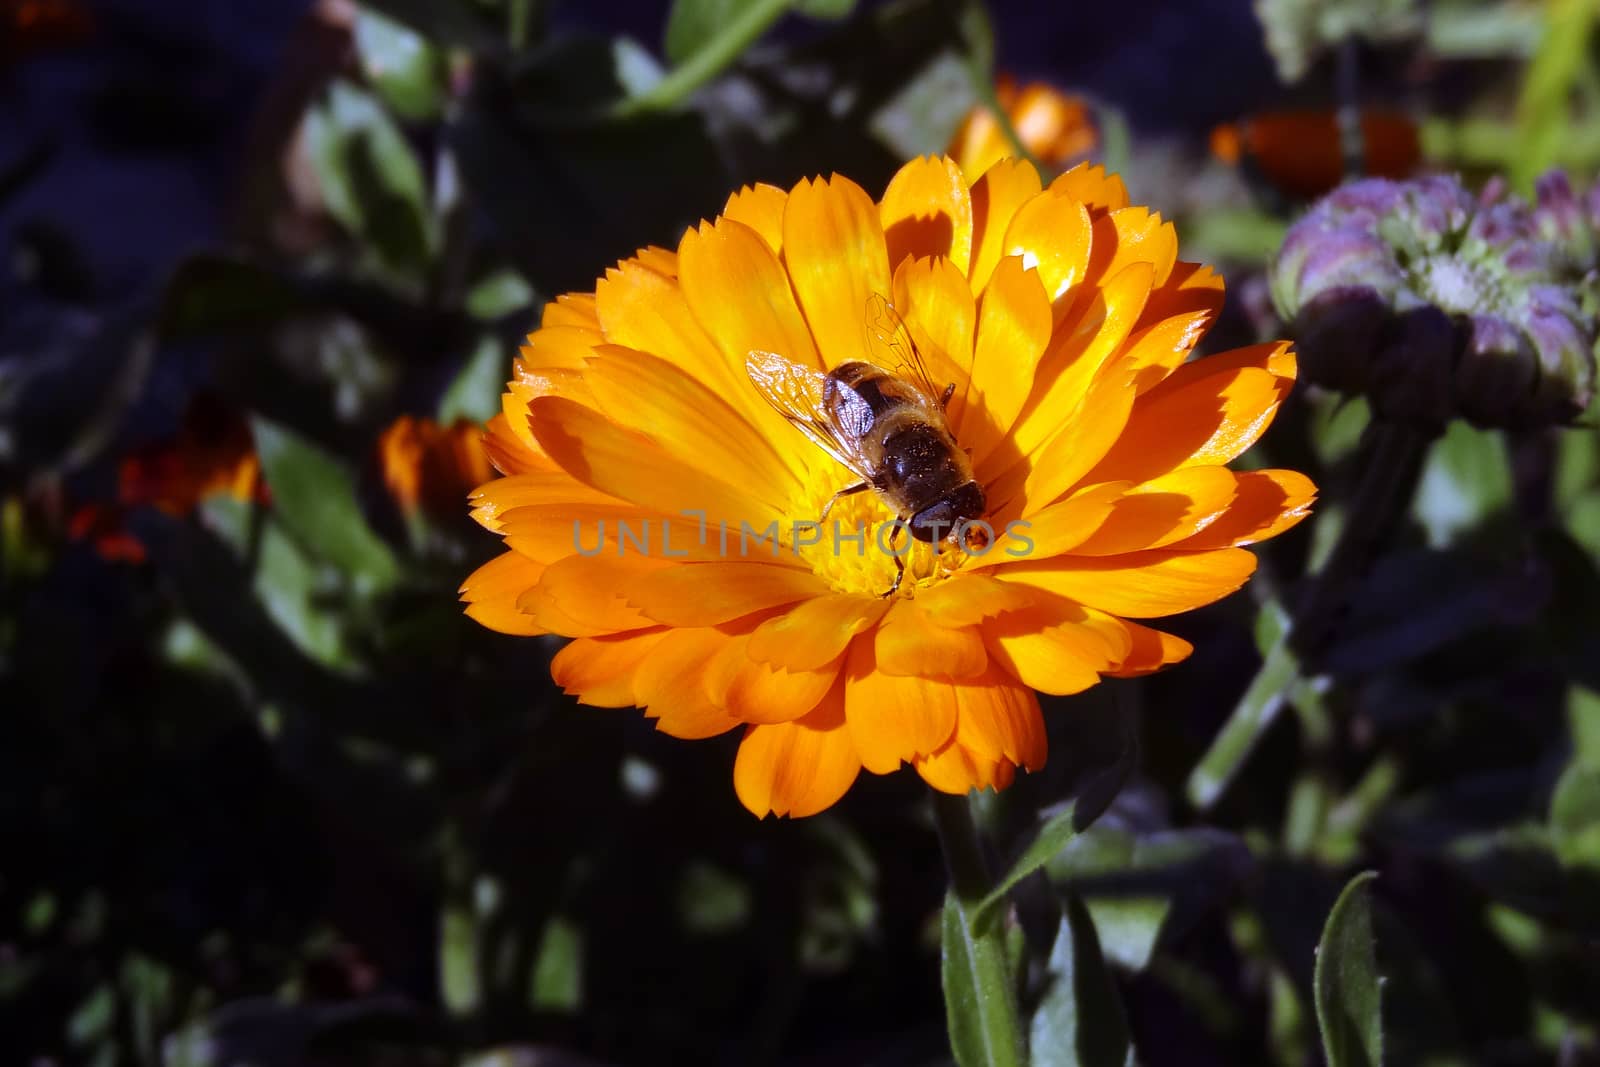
x: 403, y: 65
x: 962, y: 971
x: 315, y: 497
x: 1347, y: 986
x: 1079, y: 1021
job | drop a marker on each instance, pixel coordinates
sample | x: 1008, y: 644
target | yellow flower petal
x: 631, y: 467
x: 1150, y: 650
x: 797, y: 768
x: 571, y: 309
x: 996, y: 197
x: 1162, y: 511
x: 815, y: 631
x: 1141, y: 585
x: 957, y: 769
x: 927, y: 211
x: 1266, y: 503
x: 968, y: 599
x: 491, y: 593
x: 690, y: 422
x: 1207, y: 412
x: 1013, y: 328
x: 894, y: 719
x: 642, y: 309
x: 759, y: 207
x: 492, y: 500
x: 669, y: 685
x: 706, y: 594
x: 1047, y: 649
x: 756, y: 692
x: 910, y: 643
x: 1079, y: 350
x: 1090, y: 185
x: 1052, y: 236
x: 934, y: 299
x: 599, y: 671
x: 1064, y: 525
x: 833, y: 246
x: 740, y: 293
x: 998, y: 720
x: 585, y: 596
x: 1133, y: 235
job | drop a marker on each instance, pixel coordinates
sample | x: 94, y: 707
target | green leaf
x: 501, y: 293
x: 1256, y: 710
x: 1544, y: 111
x: 475, y: 392
x: 1142, y: 886
x: 1096, y: 790
x: 370, y: 177
x: 1051, y: 838
x: 1079, y: 1021
x: 315, y: 497
x: 692, y: 23
x: 402, y: 64
x: 961, y: 969
x: 1583, y: 722
x: 1467, y: 479
x: 460, y: 984
x: 1347, y: 987
x: 557, y: 981
x: 1575, y: 817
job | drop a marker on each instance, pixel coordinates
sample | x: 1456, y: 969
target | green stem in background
x: 1352, y: 146
x: 1390, y: 471
x: 519, y: 23
x: 738, y: 33
x: 980, y: 996
x: 1392, y: 458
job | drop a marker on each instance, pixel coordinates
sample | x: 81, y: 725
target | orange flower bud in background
x: 430, y: 468
x: 1298, y: 152
x: 1054, y: 127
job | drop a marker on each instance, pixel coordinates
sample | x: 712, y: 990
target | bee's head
x: 939, y: 521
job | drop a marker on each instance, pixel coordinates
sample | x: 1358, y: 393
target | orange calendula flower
x: 430, y: 468
x: 662, y: 513
x: 1299, y: 151
x: 1054, y: 127
x: 213, y: 453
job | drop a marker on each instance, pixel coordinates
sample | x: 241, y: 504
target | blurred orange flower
x: 430, y: 468
x: 1054, y: 127
x: 1062, y: 316
x: 1299, y: 151
x: 211, y: 454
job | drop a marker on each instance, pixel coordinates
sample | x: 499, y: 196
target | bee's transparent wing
x: 797, y: 393
x: 892, y: 348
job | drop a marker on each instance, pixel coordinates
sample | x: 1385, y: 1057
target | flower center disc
x: 854, y: 548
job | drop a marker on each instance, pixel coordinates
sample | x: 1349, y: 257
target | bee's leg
x: 949, y: 391
x: 899, y: 562
x: 899, y: 576
x: 849, y: 490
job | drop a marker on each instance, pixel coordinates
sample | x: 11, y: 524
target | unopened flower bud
x: 1433, y: 302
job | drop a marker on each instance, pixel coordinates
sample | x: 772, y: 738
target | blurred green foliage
x: 271, y: 799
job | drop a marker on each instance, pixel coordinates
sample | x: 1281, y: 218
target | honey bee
x: 885, y: 424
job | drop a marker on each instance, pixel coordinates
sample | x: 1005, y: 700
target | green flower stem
x: 740, y: 31
x: 1391, y: 468
x: 1352, y: 143
x: 995, y: 1003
